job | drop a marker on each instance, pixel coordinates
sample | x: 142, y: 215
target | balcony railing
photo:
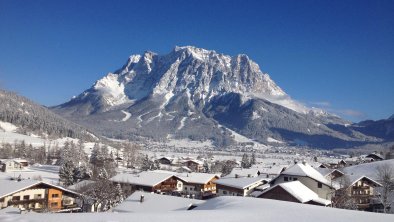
x: 20, y: 202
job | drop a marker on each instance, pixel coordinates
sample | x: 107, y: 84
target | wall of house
x: 278, y: 193
x: 31, y: 193
x: 11, y: 165
x: 324, y: 192
x: 222, y: 190
x: 54, y: 199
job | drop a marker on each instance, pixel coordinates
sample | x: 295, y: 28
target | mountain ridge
x: 192, y: 92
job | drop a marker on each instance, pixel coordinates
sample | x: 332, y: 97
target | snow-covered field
x: 229, y: 209
x: 47, y: 173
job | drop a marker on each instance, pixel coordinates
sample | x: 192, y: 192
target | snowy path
x: 128, y: 115
x: 182, y: 123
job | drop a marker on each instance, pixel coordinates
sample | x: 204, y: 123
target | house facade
x: 148, y: 181
x: 10, y: 165
x: 198, y: 185
x: 238, y: 186
x: 294, y: 191
x: 308, y: 176
x: 361, y: 190
x: 194, y: 165
x: 37, y: 196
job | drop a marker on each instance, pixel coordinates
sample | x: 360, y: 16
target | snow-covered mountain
x: 200, y: 94
x: 23, y: 118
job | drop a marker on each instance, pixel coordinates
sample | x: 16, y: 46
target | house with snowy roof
x: 193, y: 165
x: 272, y: 171
x: 308, y: 176
x: 242, y: 186
x: 360, y: 189
x: 10, y: 165
x: 294, y: 191
x: 330, y: 174
x: 243, y: 172
x: 166, y: 160
x: 375, y: 157
x: 37, y: 196
x: 150, y: 181
x: 198, y: 185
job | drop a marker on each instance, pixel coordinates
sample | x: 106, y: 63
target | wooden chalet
x: 37, y: 196
x: 198, y: 185
x: 149, y: 181
x: 194, y: 165
x: 358, y: 188
x: 243, y: 186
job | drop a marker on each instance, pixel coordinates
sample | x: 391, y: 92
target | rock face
x: 200, y: 94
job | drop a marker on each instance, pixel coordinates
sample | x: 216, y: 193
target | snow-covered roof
x: 146, y: 178
x: 355, y: 178
x: 272, y: 170
x: 242, y: 172
x: 154, y: 203
x: 300, y: 192
x: 80, y: 184
x: 326, y: 171
x: 304, y: 169
x: 367, y: 169
x: 197, y: 178
x: 9, y: 187
x: 240, y: 183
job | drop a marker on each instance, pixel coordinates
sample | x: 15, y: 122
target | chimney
x: 142, y: 198
x: 303, y: 162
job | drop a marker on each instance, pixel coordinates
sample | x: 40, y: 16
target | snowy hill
x: 22, y: 119
x: 199, y: 94
x: 230, y: 209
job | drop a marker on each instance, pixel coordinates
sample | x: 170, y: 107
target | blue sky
x: 338, y: 55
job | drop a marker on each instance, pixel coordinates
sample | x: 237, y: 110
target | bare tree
x: 342, y: 197
x: 385, y: 173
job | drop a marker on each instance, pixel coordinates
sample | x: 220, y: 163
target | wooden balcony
x: 22, y: 202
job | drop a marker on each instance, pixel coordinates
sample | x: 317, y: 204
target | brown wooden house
x: 150, y: 181
x: 37, y: 196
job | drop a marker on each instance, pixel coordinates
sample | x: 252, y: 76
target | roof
x: 195, y: 161
x: 80, y: 184
x: 154, y: 203
x: 9, y: 187
x: 326, y: 171
x: 304, y: 169
x: 240, y: 183
x: 276, y: 169
x: 354, y: 178
x: 375, y: 156
x: 300, y: 192
x: 242, y: 172
x: 146, y: 178
x: 197, y: 178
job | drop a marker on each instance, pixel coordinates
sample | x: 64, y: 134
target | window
x: 224, y: 192
x: 54, y: 204
x: 26, y: 197
x: 294, y: 179
x: 286, y: 179
x: 16, y: 198
x: 1, y: 200
x: 55, y: 195
x: 319, y: 185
